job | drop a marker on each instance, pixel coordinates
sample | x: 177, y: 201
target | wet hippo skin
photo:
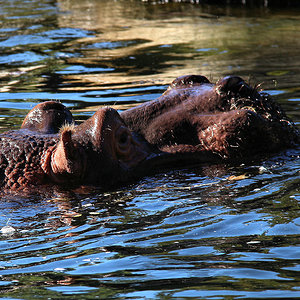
x: 193, y: 121
x: 229, y: 118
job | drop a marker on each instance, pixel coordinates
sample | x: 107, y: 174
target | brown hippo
x: 193, y: 121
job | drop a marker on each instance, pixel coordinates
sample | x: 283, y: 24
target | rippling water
x: 223, y: 232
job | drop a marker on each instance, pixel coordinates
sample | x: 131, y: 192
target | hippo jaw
x: 101, y: 151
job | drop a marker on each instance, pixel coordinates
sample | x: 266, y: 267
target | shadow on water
x: 220, y: 232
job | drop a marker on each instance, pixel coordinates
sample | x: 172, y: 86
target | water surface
x: 222, y: 232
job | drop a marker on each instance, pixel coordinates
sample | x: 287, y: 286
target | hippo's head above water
x: 101, y: 150
x: 194, y: 121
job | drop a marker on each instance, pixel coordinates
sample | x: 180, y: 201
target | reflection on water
x: 223, y: 231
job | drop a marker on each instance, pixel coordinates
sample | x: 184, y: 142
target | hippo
x: 193, y: 122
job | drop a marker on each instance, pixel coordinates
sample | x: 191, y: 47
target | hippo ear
x: 67, y: 159
x: 47, y: 117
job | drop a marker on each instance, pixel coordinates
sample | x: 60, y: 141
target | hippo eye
x: 123, y: 137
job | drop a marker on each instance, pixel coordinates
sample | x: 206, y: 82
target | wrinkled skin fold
x: 193, y: 121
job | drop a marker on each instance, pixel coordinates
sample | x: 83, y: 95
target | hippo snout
x: 237, y: 86
x: 188, y: 81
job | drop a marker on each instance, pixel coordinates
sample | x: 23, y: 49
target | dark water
x: 225, y: 232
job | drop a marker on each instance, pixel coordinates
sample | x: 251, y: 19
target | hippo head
x: 99, y: 151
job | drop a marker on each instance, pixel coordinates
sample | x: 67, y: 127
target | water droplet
x: 7, y: 230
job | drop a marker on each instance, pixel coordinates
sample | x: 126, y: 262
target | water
x: 223, y: 232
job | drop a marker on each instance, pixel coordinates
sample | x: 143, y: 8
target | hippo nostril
x: 237, y: 86
x: 188, y: 81
x: 231, y: 84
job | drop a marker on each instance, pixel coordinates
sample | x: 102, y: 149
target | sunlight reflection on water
x: 227, y: 231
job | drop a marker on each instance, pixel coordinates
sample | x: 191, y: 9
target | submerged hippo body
x: 194, y: 121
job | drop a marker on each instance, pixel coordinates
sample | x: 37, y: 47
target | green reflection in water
x: 168, y: 236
